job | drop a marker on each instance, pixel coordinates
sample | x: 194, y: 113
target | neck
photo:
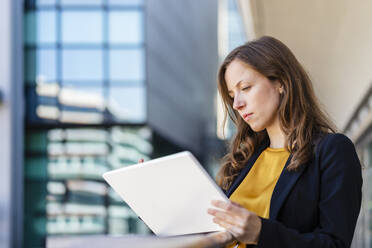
x: 276, y: 135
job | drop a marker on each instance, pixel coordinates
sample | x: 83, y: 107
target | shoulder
x: 336, y: 148
x: 334, y: 141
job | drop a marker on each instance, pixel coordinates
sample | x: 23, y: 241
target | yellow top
x: 254, y: 192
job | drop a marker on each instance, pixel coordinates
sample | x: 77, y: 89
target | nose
x: 238, y: 103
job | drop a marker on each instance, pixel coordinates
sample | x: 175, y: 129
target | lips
x: 247, y: 116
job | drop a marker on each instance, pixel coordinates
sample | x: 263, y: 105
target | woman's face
x: 255, y: 97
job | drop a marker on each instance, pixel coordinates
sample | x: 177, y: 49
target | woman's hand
x: 218, y: 238
x: 243, y: 224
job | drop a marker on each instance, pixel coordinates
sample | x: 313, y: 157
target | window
x: 85, y: 83
x: 85, y: 46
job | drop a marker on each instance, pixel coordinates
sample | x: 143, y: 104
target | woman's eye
x: 246, y: 88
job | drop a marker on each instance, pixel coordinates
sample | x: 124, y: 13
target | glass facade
x: 236, y: 34
x: 85, y: 114
x: 235, y: 37
x: 93, y: 49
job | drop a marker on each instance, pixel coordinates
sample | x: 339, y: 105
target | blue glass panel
x: 235, y: 25
x: 82, y: 26
x: 127, y: 104
x: 46, y: 65
x: 82, y: 64
x: 126, y: 27
x: 82, y: 83
x: 81, y: 2
x: 40, y: 27
x: 45, y: 2
x: 127, y: 64
x: 126, y: 2
x: 41, y: 65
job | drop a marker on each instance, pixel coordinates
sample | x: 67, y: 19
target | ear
x: 281, y: 89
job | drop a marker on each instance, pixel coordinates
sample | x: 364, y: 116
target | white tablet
x: 170, y: 194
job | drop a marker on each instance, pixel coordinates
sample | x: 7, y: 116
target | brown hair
x: 301, y: 117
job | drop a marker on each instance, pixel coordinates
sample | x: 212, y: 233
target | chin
x: 256, y: 128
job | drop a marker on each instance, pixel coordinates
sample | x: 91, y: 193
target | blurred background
x: 87, y: 86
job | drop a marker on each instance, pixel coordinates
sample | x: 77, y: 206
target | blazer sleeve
x: 339, y: 201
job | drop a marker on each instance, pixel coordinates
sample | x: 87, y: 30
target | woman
x: 292, y: 181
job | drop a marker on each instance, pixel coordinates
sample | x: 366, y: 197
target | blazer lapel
x: 247, y: 168
x: 283, y: 187
x: 287, y: 180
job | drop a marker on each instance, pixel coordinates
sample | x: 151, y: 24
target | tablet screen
x: 170, y: 194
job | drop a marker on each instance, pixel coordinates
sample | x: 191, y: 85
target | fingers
x: 230, y: 206
x: 227, y: 217
x: 230, y: 216
x: 234, y: 230
x: 240, y: 222
x: 141, y: 160
x: 222, y: 215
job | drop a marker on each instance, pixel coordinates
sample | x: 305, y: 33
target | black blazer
x: 317, y: 205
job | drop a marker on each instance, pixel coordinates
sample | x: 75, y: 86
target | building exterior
x: 90, y: 86
x: 359, y: 129
x: 11, y: 125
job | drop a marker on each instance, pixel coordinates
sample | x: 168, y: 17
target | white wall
x: 332, y: 39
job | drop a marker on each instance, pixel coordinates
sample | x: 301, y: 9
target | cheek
x: 272, y: 102
x: 266, y: 101
x: 266, y: 106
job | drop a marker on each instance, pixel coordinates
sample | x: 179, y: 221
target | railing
x: 361, y: 119
x: 217, y: 239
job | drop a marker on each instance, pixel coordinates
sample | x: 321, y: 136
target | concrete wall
x: 181, y: 40
x: 332, y: 39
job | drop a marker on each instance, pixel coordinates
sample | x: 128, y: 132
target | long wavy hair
x: 300, y: 114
